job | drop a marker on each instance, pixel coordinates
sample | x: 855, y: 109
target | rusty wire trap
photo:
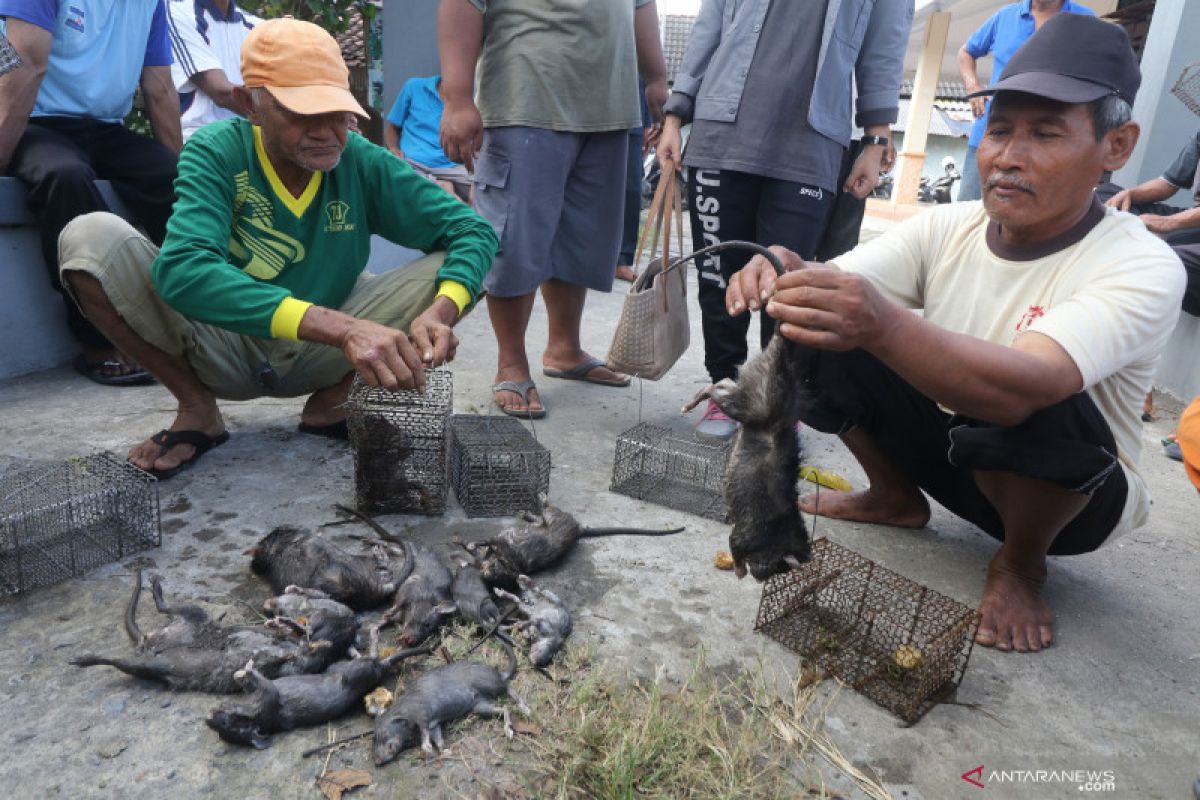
x: 399, y: 443
x: 497, y: 467
x: 668, y: 468
x: 901, y: 644
x: 62, y: 519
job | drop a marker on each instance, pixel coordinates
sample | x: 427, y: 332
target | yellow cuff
x: 458, y: 293
x: 285, y: 322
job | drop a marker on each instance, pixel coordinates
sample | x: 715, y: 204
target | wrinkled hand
x: 750, y: 287
x: 829, y: 309
x: 978, y: 106
x: 462, y: 133
x: 432, y: 335
x: 864, y: 175
x: 657, y: 93
x: 1122, y: 200
x: 670, y: 143
x: 1158, y: 223
x: 383, y: 356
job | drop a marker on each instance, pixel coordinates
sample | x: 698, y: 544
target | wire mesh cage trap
x: 62, y: 519
x: 668, y: 468
x: 10, y: 59
x: 1187, y: 87
x: 901, y: 644
x: 399, y: 443
x: 497, y: 468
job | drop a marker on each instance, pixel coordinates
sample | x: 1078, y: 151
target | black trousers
x: 58, y: 158
x: 728, y: 205
x: 1190, y: 256
x: 1069, y: 444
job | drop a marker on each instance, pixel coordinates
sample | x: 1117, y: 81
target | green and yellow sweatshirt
x: 243, y: 254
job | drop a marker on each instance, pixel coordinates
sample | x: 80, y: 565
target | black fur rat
x: 544, y: 540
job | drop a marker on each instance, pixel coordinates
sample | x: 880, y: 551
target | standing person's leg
x: 723, y: 206
x: 794, y: 215
x: 586, y: 241
x: 143, y: 173
x: 54, y: 162
x: 520, y: 177
x: 970, y: 188
x: 626, y: 269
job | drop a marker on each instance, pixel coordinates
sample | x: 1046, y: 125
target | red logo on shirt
x: 1029, y: 316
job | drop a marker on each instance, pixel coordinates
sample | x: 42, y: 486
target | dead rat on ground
x: 547, y: 622
x: 768, y: 536
x: 299, y: 701
x: 472, y: 597
x: 438, y: 697
x: 290, y: 556
x: 543, y: 541
x: 193, y: 652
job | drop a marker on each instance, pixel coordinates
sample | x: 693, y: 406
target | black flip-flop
x: 334, y: 430
x: 199, y: 439
x: 92, y: 370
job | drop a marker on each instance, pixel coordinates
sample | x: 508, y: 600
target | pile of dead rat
x: 318, y: 655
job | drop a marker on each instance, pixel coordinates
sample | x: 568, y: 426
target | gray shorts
x: 556, y: 201
x: 233, y: 366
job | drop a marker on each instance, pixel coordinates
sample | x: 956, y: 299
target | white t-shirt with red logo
x: 1110, y: 299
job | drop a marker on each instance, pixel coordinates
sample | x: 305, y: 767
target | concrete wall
x: 1179, y: 371
x: 1166, y: 123
x: 409, y: 45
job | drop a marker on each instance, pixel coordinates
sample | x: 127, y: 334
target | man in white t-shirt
x: 206, y: 37
x: 1014, y: 399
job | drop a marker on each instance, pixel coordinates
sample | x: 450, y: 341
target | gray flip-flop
x: 518, y: 388
x: 580, y: 371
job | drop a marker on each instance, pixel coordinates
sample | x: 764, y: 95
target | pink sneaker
x: 715, y: 423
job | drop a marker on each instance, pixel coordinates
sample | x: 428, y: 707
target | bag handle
x: 666, y: 203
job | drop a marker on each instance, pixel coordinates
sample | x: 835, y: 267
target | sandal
x: 520, y: 388
x: 198, y: 439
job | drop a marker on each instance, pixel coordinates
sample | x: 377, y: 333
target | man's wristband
x: 880, y: 140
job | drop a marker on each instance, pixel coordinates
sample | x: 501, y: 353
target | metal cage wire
x: 10, y: 59
x: 1187, y: 87
x: 59, y: 520
x: 399, y: 443
x: 497, y: 468
x: 901, y: 644
x: 682, y: 471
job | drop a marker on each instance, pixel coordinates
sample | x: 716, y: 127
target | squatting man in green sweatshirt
x: 258, y: 289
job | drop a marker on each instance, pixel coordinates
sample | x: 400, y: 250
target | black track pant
x: 729, y: 205
x: 1069, y: 444
x: 58, y: 158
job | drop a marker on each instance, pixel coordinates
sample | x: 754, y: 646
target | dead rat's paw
x: 771, y: 550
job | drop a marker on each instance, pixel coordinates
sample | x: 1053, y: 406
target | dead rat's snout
x: 400, y: 735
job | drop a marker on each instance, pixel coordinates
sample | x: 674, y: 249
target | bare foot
x: 1014, y: 615
x: 327, y: 406
x: 870, y: 505
x: 145, y: 455
x: 625, y: 273
x: 512, y: 401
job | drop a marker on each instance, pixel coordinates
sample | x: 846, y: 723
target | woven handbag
x: 653, y: 331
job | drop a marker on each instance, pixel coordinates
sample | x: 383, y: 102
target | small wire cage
x: 496, y: 467
x: 62, y: 519
x: 668, y: 468
x: 901, y: 644
x: 399, y: 443
x: 10, y: 59
x: 1187, y: 87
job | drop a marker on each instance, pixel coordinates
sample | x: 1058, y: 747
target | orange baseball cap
x: 1188, y: 436
x: 301, y: 65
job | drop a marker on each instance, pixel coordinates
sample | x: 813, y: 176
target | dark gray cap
x: 1072, y: 58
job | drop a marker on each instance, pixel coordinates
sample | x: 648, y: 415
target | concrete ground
x: 1117, y: 692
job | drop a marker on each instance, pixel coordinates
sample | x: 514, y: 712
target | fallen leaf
x: 378, y: 701
x: 529, y: 728
x: 334, y: 784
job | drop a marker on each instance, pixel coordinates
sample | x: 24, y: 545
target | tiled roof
x: 677, y: 28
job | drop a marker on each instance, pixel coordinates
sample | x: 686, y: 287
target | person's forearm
x: 970, y: 376
x: 1152, y: 191
x: 966, y: 69
x: 460, y: 38
x: 391, y: 137
x: 162, y: 107
x: 18, y: 93
x: 651, y: 64
x: 1186, y: 219
x: 330, y: 326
